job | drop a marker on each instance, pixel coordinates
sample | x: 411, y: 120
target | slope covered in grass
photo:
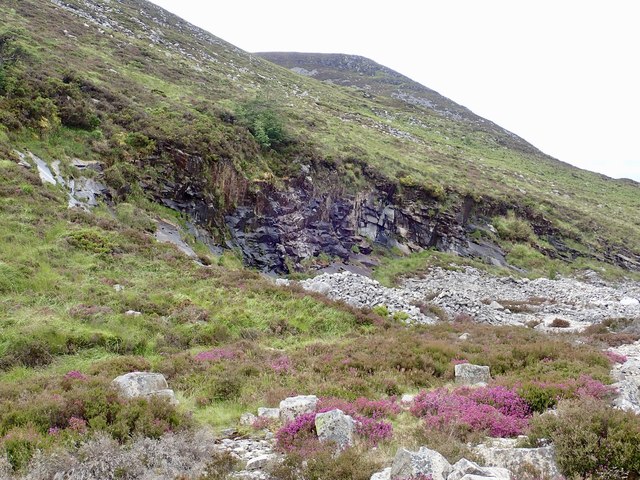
x: 134, y: 86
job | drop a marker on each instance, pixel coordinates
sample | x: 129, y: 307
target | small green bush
x: 592, y: 439
x: 513, y: 228
x: 19, y: 445
x: 134, y: 217
x: 265, y: 124
x: 90, y: 240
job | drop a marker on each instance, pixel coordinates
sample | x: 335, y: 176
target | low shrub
x: 592, y: 439
x: 350, y: 464
x: 541, y: 396
x: 513, y: 228
x: 362, y: 406
x: 560, y: 323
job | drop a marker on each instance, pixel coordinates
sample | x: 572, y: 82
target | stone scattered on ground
x: 360, y: 291
x: 336, y: 427
x: 490, y: 299
x: 469, y: 374
x: 292, y: 407
x: 144, y: 384
x: 258, y: 456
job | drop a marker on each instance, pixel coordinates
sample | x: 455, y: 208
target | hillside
x: 192, y: 122
x: 161, y: 194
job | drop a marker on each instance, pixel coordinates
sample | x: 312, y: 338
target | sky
x: 562, y: 74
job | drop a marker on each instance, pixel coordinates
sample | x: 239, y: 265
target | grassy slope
x: 181, y: 100
x: 60, y: 312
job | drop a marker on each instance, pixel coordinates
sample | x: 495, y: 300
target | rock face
x: 467, y: 470
x: 144, y: 384
x: 336, y: 427
x: 468, y: 374
x: 426, y: 462
x: 503, y: 453
x: 292, y: 407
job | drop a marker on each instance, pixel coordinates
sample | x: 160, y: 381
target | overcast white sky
x: 563, y: 74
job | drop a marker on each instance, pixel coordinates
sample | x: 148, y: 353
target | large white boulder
x: 334, y: 426
x: 512, y: 458
x: 292, y: 407
x: 144, y: 384
x: 409, y: 463
x: 469, y: 374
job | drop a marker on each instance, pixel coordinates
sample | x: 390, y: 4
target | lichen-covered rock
x: 144, y: 384
x: 260, y: 462
x: 469, y: 374
x: 273, y: 413
x: 467, y: 470
x: 409, y: 463
x: 247, y: 419
x: 292, y: 407
x: 334, y: 426
x: 514, y: 459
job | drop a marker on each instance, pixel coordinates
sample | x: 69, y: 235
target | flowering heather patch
x: 216, y: 354
x: 497, y: 410
x: 373, y: 431
x: 615, y: 357
x: 282, y: 365
x: 299, y: 435
x: 75, y: 375
x: 362, y: 407
x: 588, y: 387
x: 261, y: 423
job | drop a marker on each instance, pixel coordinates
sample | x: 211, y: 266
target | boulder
x: 292, y: 407
x: 334, y: 426
x: 465, y: 469
x: 260, y: 462
x: 514, y: 459
x: 382, y: 475
x: 247, y: 419
x: 273, y: 413
x: 408, y: 398
x: 469, y: 374
x: 409, y: 463
x: 629, y: 302
x: 144, y: 384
